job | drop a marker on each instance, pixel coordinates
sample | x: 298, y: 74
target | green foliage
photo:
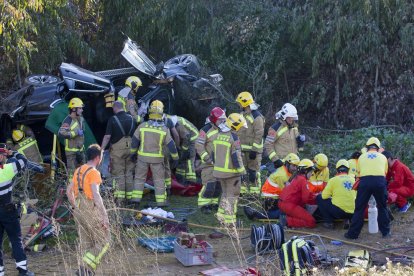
x: 340, y: 61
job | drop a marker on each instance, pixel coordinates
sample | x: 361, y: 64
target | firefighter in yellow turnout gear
x: 119, y: 131
x: 149, y: 140
x: 251, y: 139
x: 127, y: 97
x: 188, y: 133
x: 26, y: 143
x: 209, y: 194
x: 228, y: 167
x: 72, y: 131
x: 283, y: 137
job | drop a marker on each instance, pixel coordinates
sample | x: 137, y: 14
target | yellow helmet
x: 341, y: 163
x: 75, y: 102
x: 156, y: 110
x: 17, y: 135
x: 305, y: 164
x: 373, y: 141
x: 321, y: 160
x: 236, y: 121
x: 133, y: 82
x: 292, y: 159
x: 245, y: 99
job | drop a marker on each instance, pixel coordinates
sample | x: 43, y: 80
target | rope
x: 248, y: 229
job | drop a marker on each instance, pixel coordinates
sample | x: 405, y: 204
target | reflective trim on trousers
x: 120, y: 194
x: 93, y: 261
x: 22, y: 265
x: 136, y: 194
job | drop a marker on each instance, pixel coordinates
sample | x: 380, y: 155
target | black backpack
x: 297, y: 256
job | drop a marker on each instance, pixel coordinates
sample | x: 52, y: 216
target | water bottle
x: 372, y: 216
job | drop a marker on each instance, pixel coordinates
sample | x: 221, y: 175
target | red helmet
x: 215, y: 114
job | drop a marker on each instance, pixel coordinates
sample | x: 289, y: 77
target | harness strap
x: 81, y: 184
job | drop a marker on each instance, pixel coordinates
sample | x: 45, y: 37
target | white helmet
x: 288, y: 110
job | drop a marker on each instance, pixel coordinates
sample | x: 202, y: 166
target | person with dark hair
x: 89, y: 211
x: 337, y: 200
x: 400, y: 183
x: 119, y: 132
x: 11, y: 163
x: 353, y: 163
x: 295, y: 196
x: 373, y: 167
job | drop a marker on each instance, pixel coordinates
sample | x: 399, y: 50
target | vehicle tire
x: 41, y: 80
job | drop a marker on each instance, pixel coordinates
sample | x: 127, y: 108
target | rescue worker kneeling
x: 272, y: 188
x: 228, y: 167
x: 337, y: 200
x: 149, y: 140
x: 320, y: 175
x: 27, y: 144
x: 295, y: 196
x: 89, y: 211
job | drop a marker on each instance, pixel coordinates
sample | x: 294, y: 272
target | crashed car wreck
x: 177, y: 83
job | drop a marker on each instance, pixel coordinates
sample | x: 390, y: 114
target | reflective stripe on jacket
x: 251, y: 138
x: 281, y: 140
x: 227, y: 156
x: 29, y: 148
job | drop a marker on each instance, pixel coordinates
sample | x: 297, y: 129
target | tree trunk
x: 375, y: 97
x: 287, y: 85
x: 19, y: 78
x: 337, y: 94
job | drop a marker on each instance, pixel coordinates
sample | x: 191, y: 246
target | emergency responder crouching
x: 337, y: 200
x: 119, y: 130
x: 251, y: 140
x: 320, y: 175
x: 228, y: 167
x: 372, y: 167
x: 283, y: 137
x: 272, y: 188
x: 209, y: 194
x: 127, y: 97
x: 26, y: 143
x: 11, y: 163
x: 72, y: 131
x: 295, y: 196
x: 89, y: 212
x: 149, y: 140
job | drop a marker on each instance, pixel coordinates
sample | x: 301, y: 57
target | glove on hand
x: 392, y: 197
x: 252, y: 155
x: 174, y: 164
x: 278, y: 163
x: 80, y: 132
x: 185, y: 154
x: 133, y: 157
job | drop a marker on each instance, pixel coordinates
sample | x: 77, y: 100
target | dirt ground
x: 127, y: 258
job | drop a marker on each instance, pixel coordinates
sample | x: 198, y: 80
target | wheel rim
x: 42, y: 79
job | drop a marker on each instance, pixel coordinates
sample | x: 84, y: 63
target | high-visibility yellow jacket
x: 281, y: 140
x: 251, y: 138
x: 339, y: 188
x: 29, y: 148
x: 187, y: 131
x: 227, y: 155
x: 69, y: 131
x: 149, y: 140
x: 318, y: 180
x: 275, y: 183
x: 204, y: 144
x: 372, y: 163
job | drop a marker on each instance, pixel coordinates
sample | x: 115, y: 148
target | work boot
x: 346, y: 235
x: 250, y: 212
x: 282, y: 220
x: 405, y: 208
x: 347, y: 223
x: 328, y: 225
x: 206, y: 209
x: 134, y: 205
x: 168, y: 191
x: 26, y: 273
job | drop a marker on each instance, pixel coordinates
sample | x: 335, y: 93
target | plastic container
x: 193, y: 256
x: 372, y: 216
